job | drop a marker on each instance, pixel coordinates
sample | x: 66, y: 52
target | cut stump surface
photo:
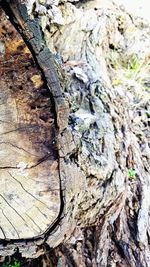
x: 29, y: 176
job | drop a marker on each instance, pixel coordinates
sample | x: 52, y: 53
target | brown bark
x: 90, y: 144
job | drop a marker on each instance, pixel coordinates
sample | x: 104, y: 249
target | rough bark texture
x: 100, y: 105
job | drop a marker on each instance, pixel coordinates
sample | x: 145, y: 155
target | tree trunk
x: 74, y: 158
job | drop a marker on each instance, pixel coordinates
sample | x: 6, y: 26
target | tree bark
x: 74, y: 158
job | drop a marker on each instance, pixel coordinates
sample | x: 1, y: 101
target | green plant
x: 13, y: 264
x: 131, y: 174
x: 133, y: 66
x: 134, y: 63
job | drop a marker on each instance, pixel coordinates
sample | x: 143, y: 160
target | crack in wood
x: 29, y: 192
x: 2, y: 232
x: 20, y: 148
x: 34, y: 222
x: 10, y: 223
x: 12, y: 207
x: 26, y: 223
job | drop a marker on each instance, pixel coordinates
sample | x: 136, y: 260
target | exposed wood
x: 56, y: 229
x: 30, y: 186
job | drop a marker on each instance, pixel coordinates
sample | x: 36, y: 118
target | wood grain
x: 29, y: 177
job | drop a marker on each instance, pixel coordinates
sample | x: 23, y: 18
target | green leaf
x: 131, y: 174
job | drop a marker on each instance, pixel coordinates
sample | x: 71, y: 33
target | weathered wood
x: 30, y: 186
x: 106, y: 136
x: 56, y: 229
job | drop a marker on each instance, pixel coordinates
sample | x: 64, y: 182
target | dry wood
x: 103, y: 215
x: 30, y: 186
